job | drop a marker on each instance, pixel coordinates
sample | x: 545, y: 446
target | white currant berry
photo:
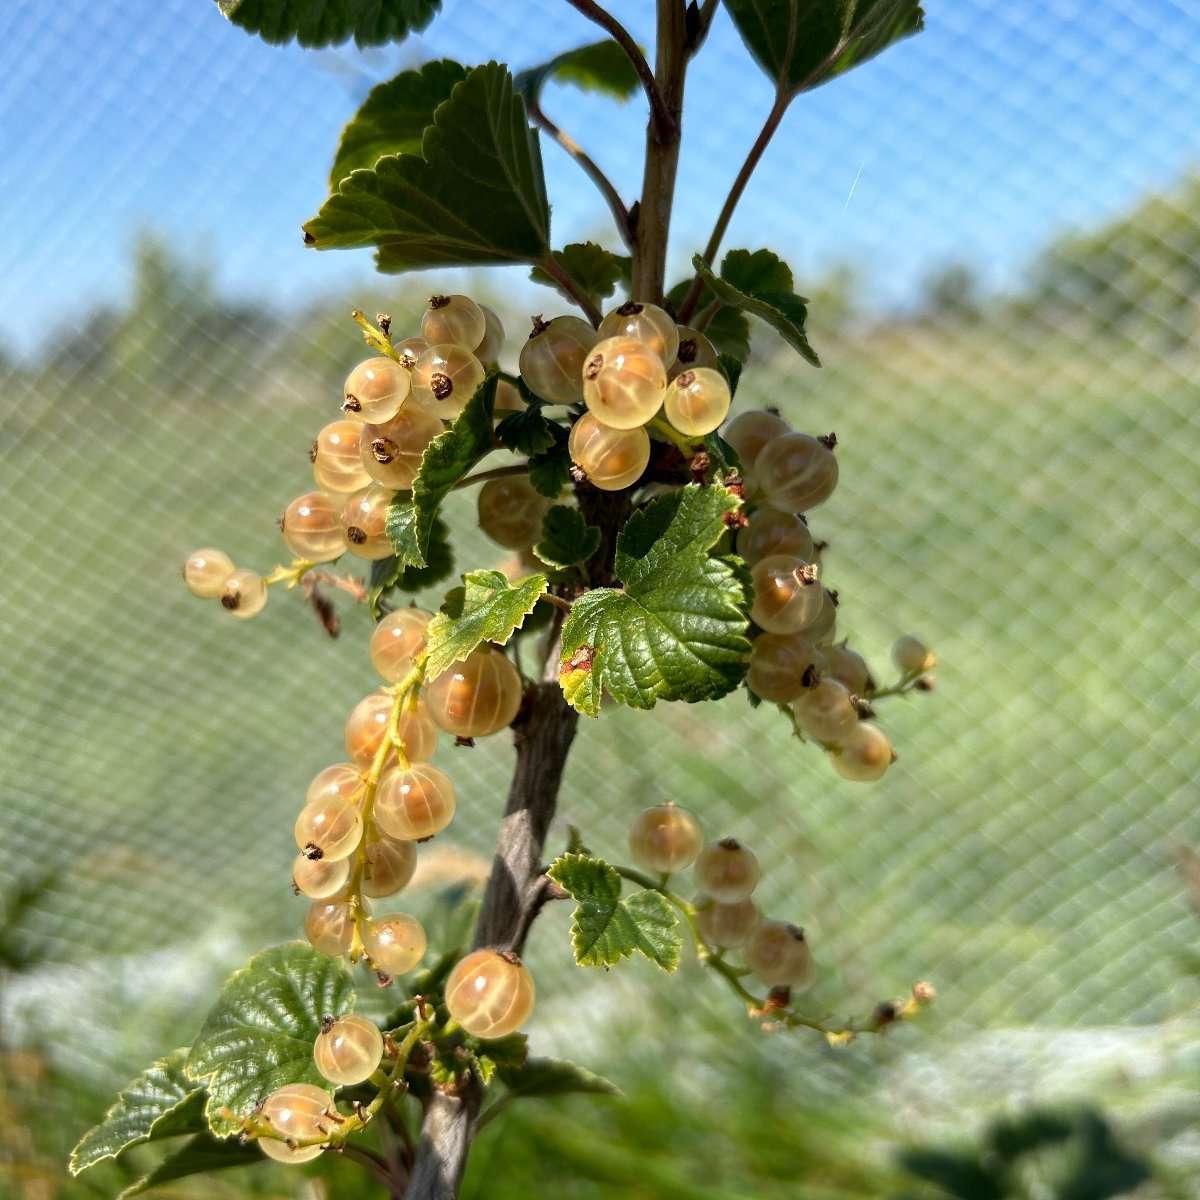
x: 298, y: 1111
x: 341, y: 779
x: 409, y: 350
x: 787, y: 593
x: 727, y: 871
x: 206, y: 572
x: 457, y: 320
x: 389, y: 867
x: 319, y: 878
x: 697, y: 401
x: 445, y: 377
x: 367, y: 726
x: 415, y: 803
x: 778, y: 663
x: 820, y: 629
x: 337, y: 459
x: 329, y: 828
x: 778, y: 954
x: 624, y: 383
x: 244, y: 594
x: 397, y: 640
x: 796, y: 472
x: 364, y: 522
x: 491, y: 345
x: 391, y: 451
x: 490, y: 994
x: 749, y: 432
x: 695, y: 350
x: 348, y: 1050
x: 665, y: 839
x: 645, y: 323
x: 476, y: 696
x: 911, y: 655
x: 848, y: 667
x: 329, y: 924
x: 552, y: 359
x: 726, y: 926
x: 770, y: 531
x: 864, y: 754
x: 394, y: 942
x: 511, y: 511
x: 826, y: 711
x: 611, y: 459
x: 311, y: 527
x: 376, y: 389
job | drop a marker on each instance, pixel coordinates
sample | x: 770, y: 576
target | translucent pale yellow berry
x: 778, y: 662
x: 489, y: 348
x: 477, y: 696
x: 244, y: 594
x: 770, y: 531
x: 490, y: 994
x: 911, y: 655
x: 389, y: 867
x: 206, y: 572
x: 375, y: 390
x: 444, y: 378
x: 329, y: 924
x: 645, y: 323
x: 394, y: 942
x: 409, y: 350
x: 341, y: 779
x: 750, y: 431
x: 364, y: 522
x: 848, y: 667
x: 695, y: 350
x: 319, y: 878
x: 337, y: 460
x: 552, y: 359
x: 415, y: 803
x: 826, y: 711
x: 311, y: 527
x: 624, y: 383
x: 511, y: 511
x: 697, y: 401
x: 454, y: 319
x: 787, y: 593
x: 329, y: 828
x: 610, y: 458
x: 348, y: 1050
x: 796, y: 472
x: 864, y: 754
x: 665, y: 839
x: 298, y: 1111
x: 367, y: 726
x: 397, y: 640
x: 391, y: 451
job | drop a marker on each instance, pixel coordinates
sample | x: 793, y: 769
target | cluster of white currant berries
x: 667, y: 839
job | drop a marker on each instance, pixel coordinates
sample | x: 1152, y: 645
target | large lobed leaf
x: 677, y: 629
x: 487, y: 608
x: 259, y: 1035
x: 197, y: 1156
x: 474, y: 195
x: 606, y: 928
x: 161, y: 1102
x: 801, y: 44
x: 315, y: 23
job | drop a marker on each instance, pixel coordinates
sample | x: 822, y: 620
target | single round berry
x: 665, y: 839
x: 364, y: 522
x: 312, y: 528
x: 770, y: 531
x: 477, y: 696
x: 244, y: 594
x: 848, y: 667
x: 864, y: 754
x: 397, y: 640
x: 367, y: 726
x: 391, y: 451
x: 298, y: 1111
x: 409, y: 350
x: 697, y: 401
x: 511, y: 511
x: 826, y: 711
x: 490, y: 994
x: 337, y: 458
x: 319, y: 878
x: 796, y: 472
x: 376, y: 389
x: 727, y: 871
x: 611, y: 459
x: 787, y: 593
x: 552, y: 359
x: 454, y: 319
x: 821, y: 628
x: 778, y: 954
x: 749, y: 432
x: 910, y: 654
x: 445, y: 377
x: 341, y: 779
x: 389, y: 867
x: 695, y: 350
x: 414, y: 804
x: 348, y: 1050
x: 778, y: 662
x: 329, y: 924
x: 329, y: 828
x: 624, y: 383
x: 726, y: 926
x: 394, y: 942
x: 206, y: 572
x: 645, y: 323
x: 490, y: 346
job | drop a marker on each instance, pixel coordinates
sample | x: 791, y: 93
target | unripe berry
x: 244, y: 594
x: 490, y: 994
x: 787, y: 593
x: 864, y: 754
x: 645, y: 323
x: 912, y: 656
x: 611, y: 459
x: 206, y: 572
x: 726, y: 926
x: 665, y: 839
x: 348, y: 1050
x: 298, y: 1111
x: 727, y: 871
x: 311, y: 527
x: 477, y: 696
x: 376, y: 389
x: 394, y: 942
x: 796, y: 472
x: 552, y: 359
x: 779, y: 956
x: 455, y: 319
x: 624, y: 383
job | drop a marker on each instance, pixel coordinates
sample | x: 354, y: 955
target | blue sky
x: 1005, y: 123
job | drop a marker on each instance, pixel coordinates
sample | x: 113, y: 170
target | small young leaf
x: 784, y: 313
x: 757, y: 272
x: 677, y: 630
x: 198, y: 1156
x: 386, y: 573
x: 446, y: 460
x: 475, y: 195
x: 394, y: 117
x: 550, y: 472
x: 259, y: 1035
x: 594, y: 269
x: 486, y: 609
x: 554, y: 1077
x: 161, y: 1102
x: 527, y: 431
x: 317, y: 23
x: 567, y: 538
x: 599, y: 67
x: 606, y: 928
x: 722, y: 454
x: 801, y: 44
x: 731, y: 368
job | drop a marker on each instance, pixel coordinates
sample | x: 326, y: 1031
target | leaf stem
x: 492, y: 473
x: 663, y: 118
x: 567, y: 282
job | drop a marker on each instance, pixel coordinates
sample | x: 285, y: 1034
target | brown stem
x: 563, y: 278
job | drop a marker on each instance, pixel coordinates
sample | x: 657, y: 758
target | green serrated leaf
x: 387, y: 574
x: 259, y: 1035
x: 490, y: 610
x: 446, y: 460
x: 727, y: 329
x: 316, y: 23
x: 394, y: 117
x: 527, y: 432
x: 541, y: 1077
x: 677, y: 630
x: 550, y: 473
x: 161, y: 1102
x: 594, y: 269
x: 731, y: 368
x: 475, y: 195
x: 605, y: 928
x: 198, y: 1156
x: 756, y: 272
x: 801, y: 44
x: 722, y: 454
x: 567, y: 538
x: 785, y: 314
x: 599, y: 67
